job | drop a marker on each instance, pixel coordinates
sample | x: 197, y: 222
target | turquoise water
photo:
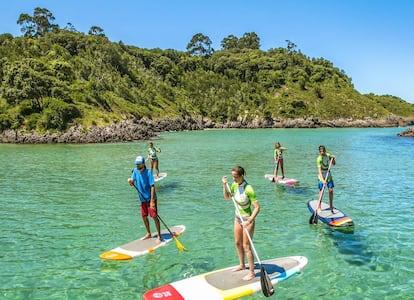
x: 63, y: 205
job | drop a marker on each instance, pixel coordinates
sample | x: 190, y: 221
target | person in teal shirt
x: 248, y: 209
x: 323, y: 162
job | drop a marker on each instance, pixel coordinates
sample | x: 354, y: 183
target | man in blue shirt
x: 143, y: 180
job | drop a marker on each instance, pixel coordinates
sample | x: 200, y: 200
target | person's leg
x: 156, y: 167
x: 248, y: 251
x: 147, y: 228
x: 144, y: 214
x: 331, y: 199
x: 238, y: 240
x: 153, y: 214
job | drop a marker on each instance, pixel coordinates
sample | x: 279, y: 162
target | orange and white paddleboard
x: 141, y: 247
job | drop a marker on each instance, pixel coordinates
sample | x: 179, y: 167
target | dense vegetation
x: 53, y: 77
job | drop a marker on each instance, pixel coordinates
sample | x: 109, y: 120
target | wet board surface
x: 161, y: 176
x: 141, y: 247
x: 226, y: 284
x: 335, y: 219
x: 285, y: 180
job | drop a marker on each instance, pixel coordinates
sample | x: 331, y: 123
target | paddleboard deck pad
x: 141, y: 247
x: 160, y: 176
x: 279, y: 179
x: 336, y: 219
x: 227, y: 284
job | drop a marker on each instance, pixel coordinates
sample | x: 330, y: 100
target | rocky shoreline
x: 134, y: 130
x: 407, y: 133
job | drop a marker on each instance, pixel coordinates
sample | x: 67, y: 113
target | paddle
x: 275, y: 179
x: 177, y: 242
x: 314, y: 217
x: 265, y: 282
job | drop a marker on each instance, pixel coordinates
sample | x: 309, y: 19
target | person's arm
x: 226, y: 193
x: 320, y: 175
x: 131, y: 180
x: 152, y: 202
x: 333, y: 159
x: 256, y: 211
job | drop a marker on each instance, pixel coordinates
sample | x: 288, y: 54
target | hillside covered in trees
x: 52, y: 78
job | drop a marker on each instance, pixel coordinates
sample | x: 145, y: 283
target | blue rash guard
x: 143, y: 182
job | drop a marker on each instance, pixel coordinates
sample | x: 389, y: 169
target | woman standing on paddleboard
x: 278, y: 157
x: 244, y: 199
x: 153, y: 158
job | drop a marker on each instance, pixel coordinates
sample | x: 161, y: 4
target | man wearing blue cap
x: 143, y: 180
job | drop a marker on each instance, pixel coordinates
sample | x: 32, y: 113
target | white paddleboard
x: 140, y: 247
x: 279, y: 179
x: 160, y: 176
x: 226, y: 284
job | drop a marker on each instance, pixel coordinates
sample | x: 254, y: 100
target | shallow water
x: 63, y: 205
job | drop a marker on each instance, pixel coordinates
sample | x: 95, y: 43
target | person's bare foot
x: 158, y: 241
x: 145, y: 237
x: 249, y: 276
x: 238, y: 268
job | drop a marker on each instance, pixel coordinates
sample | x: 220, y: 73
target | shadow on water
x: 113, y: 265
x: 350, y: 244
x: 168, y: 187
x: 294, y: 189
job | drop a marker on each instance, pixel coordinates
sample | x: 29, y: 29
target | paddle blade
x: 265, y: 282
x: 179, y: 245
x: 314, y: 218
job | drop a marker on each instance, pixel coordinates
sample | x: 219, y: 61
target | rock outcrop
x: 133, y: 130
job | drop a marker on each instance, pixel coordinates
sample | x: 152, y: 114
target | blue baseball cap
x: 139, y: 160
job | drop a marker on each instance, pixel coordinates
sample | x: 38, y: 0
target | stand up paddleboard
x: 336, y: 219
x: 160, y: 177
x: 140, y: 247
x: 226, y: 284
x: 279, y: 179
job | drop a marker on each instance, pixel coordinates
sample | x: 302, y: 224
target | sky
x: 372, y: 41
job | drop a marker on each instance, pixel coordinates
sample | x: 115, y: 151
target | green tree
x: 26, y: 80
x: 230, y: 42
x: 96, y: 30
x: 200, y: 45
x: 249, y: 40
x: 37, y: 25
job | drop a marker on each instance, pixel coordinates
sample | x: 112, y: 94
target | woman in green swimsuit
x: 248, y: 209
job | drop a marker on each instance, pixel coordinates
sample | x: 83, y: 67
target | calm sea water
x: 63, y: 205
